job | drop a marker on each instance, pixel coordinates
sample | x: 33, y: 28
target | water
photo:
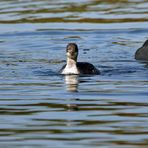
x: 39, y: 107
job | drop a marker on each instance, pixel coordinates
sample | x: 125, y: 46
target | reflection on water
x: 73, y: 14
x: 95, y: 11
x: 41, y: 108
x: 71, y: 82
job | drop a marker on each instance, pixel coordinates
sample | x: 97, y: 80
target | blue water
x: 41, y: 108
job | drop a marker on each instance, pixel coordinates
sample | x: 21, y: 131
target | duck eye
x: 71, y: 49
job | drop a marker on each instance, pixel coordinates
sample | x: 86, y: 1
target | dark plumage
x: 142, y: 52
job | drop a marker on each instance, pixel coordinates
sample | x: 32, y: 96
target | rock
x: 142, y: 52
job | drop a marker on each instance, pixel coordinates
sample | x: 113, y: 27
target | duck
x: 142, y: 52
x: 74, y: 67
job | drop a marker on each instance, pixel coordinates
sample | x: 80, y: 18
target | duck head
x: 72, y: 51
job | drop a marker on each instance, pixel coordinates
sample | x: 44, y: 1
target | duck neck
x: 71, y: 67
x: 71, y: 62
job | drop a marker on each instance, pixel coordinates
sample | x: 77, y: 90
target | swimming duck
x: 142, y: 52
x: 74, y: 67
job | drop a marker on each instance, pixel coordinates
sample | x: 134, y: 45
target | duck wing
x: 87, y: 68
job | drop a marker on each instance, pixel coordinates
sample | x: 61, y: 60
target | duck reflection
x: 72, y: 82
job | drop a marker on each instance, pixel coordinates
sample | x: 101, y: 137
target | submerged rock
x: 142, y: 52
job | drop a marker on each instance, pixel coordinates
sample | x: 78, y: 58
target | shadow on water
x: 73, y: 11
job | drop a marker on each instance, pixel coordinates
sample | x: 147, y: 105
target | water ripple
x: 41, y: 108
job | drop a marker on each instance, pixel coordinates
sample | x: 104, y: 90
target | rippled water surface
x: 41, y: 108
